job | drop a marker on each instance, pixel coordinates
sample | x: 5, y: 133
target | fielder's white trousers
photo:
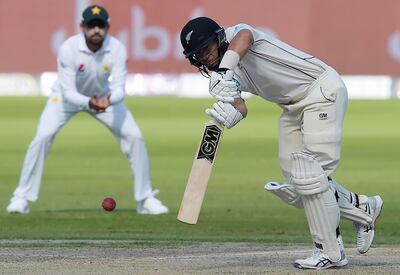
x: 116, y: 118
x: 314, y: 124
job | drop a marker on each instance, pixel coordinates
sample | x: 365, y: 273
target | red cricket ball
x: 109, y: 204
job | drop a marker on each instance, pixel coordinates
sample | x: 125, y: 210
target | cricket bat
x: 203, y: 163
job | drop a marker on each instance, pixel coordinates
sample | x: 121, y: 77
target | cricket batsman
x: 313, y: 99
x: 92, y: 68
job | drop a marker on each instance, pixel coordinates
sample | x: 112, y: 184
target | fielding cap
x: 94, y: 12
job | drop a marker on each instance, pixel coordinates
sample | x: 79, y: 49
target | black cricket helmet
x: 197, y: 34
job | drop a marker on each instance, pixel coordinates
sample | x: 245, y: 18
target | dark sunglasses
x: 96, y: 23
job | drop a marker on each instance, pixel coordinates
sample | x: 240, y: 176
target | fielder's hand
x: 99, y: 105
x: 223, y: 87
x: 225, y: 114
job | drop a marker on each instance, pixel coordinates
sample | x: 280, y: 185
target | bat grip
x: 214, y: 121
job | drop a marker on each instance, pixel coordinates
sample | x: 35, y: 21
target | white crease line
x: 186, y: 257
x: 222, y: 255
x: 229, y: 255
x: 28, y: 255
x: 77, y: 241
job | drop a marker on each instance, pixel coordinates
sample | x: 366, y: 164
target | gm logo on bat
x: 209, y: 143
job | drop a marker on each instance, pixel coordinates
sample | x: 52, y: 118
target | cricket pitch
x: 200, y: 258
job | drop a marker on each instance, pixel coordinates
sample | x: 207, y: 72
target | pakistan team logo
x: 209, y: 143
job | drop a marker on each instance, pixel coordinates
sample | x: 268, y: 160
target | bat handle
x: 214, y: 121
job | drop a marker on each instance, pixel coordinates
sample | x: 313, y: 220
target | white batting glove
x: 225, y: 114
x: 223, y: 87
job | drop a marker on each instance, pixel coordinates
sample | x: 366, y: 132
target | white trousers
x: 314, y: 124
x: 116, y: 118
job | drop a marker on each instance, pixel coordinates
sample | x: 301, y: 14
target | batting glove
x: 225, y: 114
x: 223, y: 87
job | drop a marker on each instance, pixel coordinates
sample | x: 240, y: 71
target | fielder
x: 92, y: 68
x: 313, y: 99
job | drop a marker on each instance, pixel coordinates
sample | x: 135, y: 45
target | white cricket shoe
x: 18, y: 205
x: 319, y: 260
x: 151, y: 206
x: 366, y: 233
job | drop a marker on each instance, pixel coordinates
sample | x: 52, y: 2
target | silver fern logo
x: 188, y: 37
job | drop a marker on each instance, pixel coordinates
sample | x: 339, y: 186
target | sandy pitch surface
x: 202, y: 258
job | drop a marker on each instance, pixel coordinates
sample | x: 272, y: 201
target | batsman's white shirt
x: 312, y: 95
x: 274, y: 70
x: 82, y: 73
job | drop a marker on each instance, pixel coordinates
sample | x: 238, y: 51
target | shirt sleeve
x: 232, y: 31
x: 118, y: 76
x: 66, y: 78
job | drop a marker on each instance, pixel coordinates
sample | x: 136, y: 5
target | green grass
x: 85, y: 165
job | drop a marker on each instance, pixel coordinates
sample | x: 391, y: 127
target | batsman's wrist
x: 229, y: 60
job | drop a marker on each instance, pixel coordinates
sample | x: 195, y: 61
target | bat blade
x: 200, y: 173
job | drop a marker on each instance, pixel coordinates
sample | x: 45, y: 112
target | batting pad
x: 347, y: 209
x: 319, y: 202
x: 285, y: 192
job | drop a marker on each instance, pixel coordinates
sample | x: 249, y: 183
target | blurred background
x: 359, y: 38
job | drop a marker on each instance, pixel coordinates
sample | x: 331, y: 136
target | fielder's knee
x: 131, y: 143
x: 44, y: 137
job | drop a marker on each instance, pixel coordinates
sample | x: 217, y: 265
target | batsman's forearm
x: 77, y: 99
x: 117, y: 96
x: 241, y: 42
